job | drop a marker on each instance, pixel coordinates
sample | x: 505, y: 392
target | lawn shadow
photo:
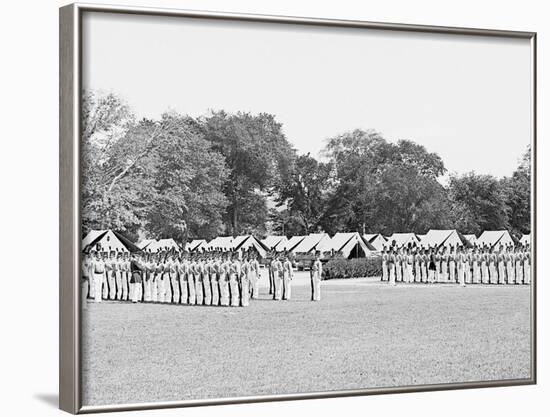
x: 49, y: 399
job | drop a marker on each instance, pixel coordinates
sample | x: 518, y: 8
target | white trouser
x: 135, y: 291
x: 316, y: 287
x: 98, y: 284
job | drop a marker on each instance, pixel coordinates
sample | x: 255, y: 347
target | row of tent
x: 348, y: 245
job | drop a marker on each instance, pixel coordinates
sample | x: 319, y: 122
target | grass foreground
x: 362, y: 334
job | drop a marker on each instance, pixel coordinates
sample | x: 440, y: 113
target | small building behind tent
x: 276, y: 243
x: 198, y: 245
x: 221, y: 243
x: 443, y: 238
x: 525, y: 240
x: 346, y: 245
x: 108, y: 241
x: 494, y: 239
x: 403, y: 240
x: 248, y: 242
x: 471, y: 238
x: 376, y: 240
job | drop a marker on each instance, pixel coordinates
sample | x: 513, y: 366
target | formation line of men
x: 212, y: 279
x: 505, y: 265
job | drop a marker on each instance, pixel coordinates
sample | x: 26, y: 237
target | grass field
x: 362, y: 334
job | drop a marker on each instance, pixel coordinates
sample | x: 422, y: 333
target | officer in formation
x: 478, y: 265
x: 214, y: 278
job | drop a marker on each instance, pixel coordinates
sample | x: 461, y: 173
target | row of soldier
x: 505, y: 265
x: 215, y: 278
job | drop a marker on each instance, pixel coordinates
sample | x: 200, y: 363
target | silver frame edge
x: 70, y: 70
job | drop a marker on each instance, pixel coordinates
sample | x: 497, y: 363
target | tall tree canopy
x: 258, y: 156
x: 478, y: 203
x: 304, y: 193
x: 181, y: 177
x: 383, y: 186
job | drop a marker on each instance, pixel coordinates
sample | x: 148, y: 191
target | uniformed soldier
x: 224, y: 280
x: 444, y: 266
x: 510, y: 266
x: 288, y: 274
x: 244, y: 283
x: 174, y: 278
x: 159, y: 270
x: 117, y: 272
x: 99, y: 273
x: 277, y: 279
x: 255, y: 277
x: 432, y: 266
x: 526, y: 265
x: 86, y: 277
x: 316, y: 277
x: 109, y: 267
x: 484, y: 266
x: 199, y: 280
x: 234, y: 274
x: 409, y: 262
x: 501, y: 259
x: 424, y: 266
x: 462, y: 265
x: 272, y: 274
x: 125, y: 275
x: 191, y: 285
x: 452, y: 264
x: 476, y: 266
x: 399, y: 266
x: 392, y: 263
x: 519, y: 266
x: 385, y: 274
x: 437, y: 262
x: 468, y: 268
x: 136, y: 269
x: 182, y: 275
x: 493, y: 271
x: 206, y: 282
x: 214, y: 279
x: 417, y: 273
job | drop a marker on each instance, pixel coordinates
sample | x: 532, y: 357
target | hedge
x: 353, y: 268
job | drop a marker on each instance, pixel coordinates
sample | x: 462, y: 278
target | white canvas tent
x: 525, y: 239
x: 495, y: 239
x: 293, y: 242
x: 439, y: 238
x: 350, y: 245
x: 472, y: 239
x: 311, y: 242
x: 247, y: 242
x: 403, y: 240
x: 107, y: 240
x: 223, y: 243
x: 276, y: 243
x: 376, y: 240
x: 198, y: 245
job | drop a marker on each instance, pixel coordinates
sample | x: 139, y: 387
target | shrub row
x: 353, y: 268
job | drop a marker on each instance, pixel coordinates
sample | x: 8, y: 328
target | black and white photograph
x: 273, y: 208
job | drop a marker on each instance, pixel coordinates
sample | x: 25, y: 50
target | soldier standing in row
x: 255, y: 277
x: 225, y: 267
x: 316, y: 276
x: 385, y: 275
x: 288, y: 274
x: 234, y: 273
x: 392, y: 261
x: 277, y: 279
x: 244, y: 282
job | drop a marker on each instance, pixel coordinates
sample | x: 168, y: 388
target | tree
x: 305, y: 191
x: 257, y: 154
x: 161, y: 178
x: 517, y: 191
x: 478, y: 203
x: 382, y: 186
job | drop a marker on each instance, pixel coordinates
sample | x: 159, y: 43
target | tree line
x: 233, y: 174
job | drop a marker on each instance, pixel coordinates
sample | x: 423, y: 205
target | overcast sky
x: 466, y: 98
